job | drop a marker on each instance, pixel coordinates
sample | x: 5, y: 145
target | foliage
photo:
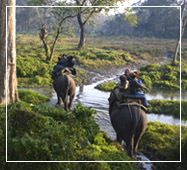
x: 2, y: 137
x: 147, y: 81
x: 106, y: 86
x: 162, y: 142
x: 151, y: 22
x: 33, y: 71
x: 30, y: 96
x: 100, y: 55
x: 45, y: 133
x: 169, y: 107
x: 166, y: 77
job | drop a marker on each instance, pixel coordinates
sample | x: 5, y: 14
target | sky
x: 126, y: 3
x: 130, y: 2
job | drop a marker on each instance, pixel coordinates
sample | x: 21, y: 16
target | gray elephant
x: 64, y: 86
x: 129, y: 122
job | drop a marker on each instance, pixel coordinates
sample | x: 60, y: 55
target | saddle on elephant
x: 122, y: 95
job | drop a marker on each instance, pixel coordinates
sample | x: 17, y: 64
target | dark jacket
x: 135, y: 86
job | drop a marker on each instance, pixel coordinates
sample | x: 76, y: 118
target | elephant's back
x: 128, y: 114
x: 60, y: 82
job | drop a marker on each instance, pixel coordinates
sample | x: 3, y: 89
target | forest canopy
x: 151, y: 22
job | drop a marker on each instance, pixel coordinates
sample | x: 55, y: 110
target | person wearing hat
x: 126, y: 73
x: 136, y: 89
x: 121, y: 88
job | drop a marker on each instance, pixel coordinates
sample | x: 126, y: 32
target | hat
x: 127, y: 70
x: 136, y: 73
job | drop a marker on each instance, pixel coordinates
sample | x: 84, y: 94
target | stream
x: 98, y: 100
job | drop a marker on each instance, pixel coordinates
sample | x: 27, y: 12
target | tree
x: 85, y: 13
x: 61, y: 15
x: 183, y: 25
x: 12, y: 95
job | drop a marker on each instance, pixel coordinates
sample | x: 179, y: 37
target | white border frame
x: 93, y: 7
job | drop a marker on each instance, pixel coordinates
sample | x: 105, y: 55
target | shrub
x: 106, y: 86
x: 147, y: 81
x: 150, y: 67
x: 161, y: 142
x: 41, y: 133
x: 30, y: 96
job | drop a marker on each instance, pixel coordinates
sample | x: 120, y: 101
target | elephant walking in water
x: 129, y: 122
x: 64, y: 86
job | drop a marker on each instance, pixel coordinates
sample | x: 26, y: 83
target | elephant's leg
x: 130, y: 143
x: 71, y: 100
x: 119, y: 139
x: 138, y: 134
x: 59, y: 102
x: 59, y: 99
x: 66, y: 102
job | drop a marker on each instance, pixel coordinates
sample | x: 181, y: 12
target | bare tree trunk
x: 12, y: 95
x: 182, y: 32
x: 54, y: 44
x: 178, y: 42
x: 83, y: 34
x: 44, y: 40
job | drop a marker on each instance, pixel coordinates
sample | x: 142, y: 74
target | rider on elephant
x: 65, y: 64
x: 127, y: 74
x: 136, y: 89
x: 121, y: 88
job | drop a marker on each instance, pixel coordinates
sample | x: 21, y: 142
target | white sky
x: 126, y: 3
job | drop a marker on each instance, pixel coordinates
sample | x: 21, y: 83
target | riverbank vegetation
x: 169, y: 107
x: 161, y: 142
x: 42, y: 133
x: 38, y: 132
x: 32, y: 97
x: 165, y: 77
x: 102, y: 55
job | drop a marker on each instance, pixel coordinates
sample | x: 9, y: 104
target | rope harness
x: 132, y: 104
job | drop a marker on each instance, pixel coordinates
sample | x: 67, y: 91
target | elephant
x: 64, y: 86
x: 129, y: 122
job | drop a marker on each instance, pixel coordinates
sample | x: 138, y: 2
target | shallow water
x: 98, y: 100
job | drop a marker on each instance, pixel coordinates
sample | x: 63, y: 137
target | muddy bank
x: 97, y: 75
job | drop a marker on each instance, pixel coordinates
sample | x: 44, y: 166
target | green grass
x: 165, y: 77
x: 106, y: 86
x: 161, y: 142
x: 43, y: 133
x: 99, y: 55
x: 168, y: 107
x: 29, y: 96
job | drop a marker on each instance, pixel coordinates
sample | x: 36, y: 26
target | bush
x: 169, y: 107
x: 41, y: 133
x: 150, y: 67
x: 161, y: 142
x: 29, y: 96
x: 147, y: 81
x: 106, y: 86
x: 166, y: 77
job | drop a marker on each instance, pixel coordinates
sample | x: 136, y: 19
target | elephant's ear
x: 112, y: 97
